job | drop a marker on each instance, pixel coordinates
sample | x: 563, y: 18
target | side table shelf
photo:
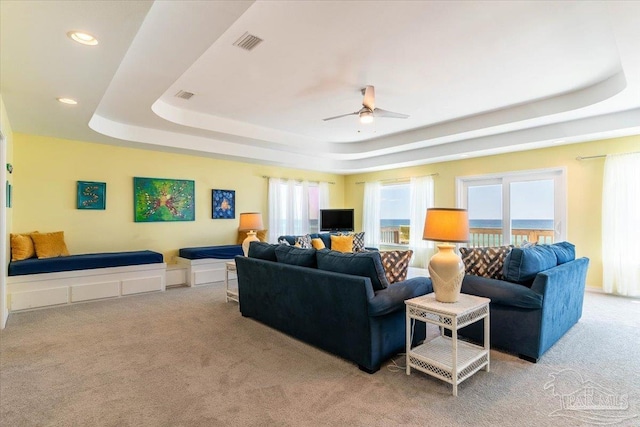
x: 231, y: 295
x: 447, y: 358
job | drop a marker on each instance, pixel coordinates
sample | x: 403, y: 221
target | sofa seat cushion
x: 206, y: 252
x: 523, y: 264
x: 296, y: 256
x: 366, y: 264
x: 501, y: 292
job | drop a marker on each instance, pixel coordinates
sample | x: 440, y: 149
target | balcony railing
x: 477, y: 236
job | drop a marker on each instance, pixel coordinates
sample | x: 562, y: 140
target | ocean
x: 522, y: 224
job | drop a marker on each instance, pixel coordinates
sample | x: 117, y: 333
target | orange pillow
x: 342, y: 243
x: 50, y: 245
x: 317, y: 243
x: 22, y: 247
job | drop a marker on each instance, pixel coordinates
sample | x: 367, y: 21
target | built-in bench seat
x: 36, y: 282
x: 206, y: 264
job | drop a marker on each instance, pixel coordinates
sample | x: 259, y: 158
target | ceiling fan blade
x: 342, y: 115
x: 379, y: 112
x: 369, y: 98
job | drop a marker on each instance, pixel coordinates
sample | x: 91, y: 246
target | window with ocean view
x: 394, y: 214
x: 514, y: 208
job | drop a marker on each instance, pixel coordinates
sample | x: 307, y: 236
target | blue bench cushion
x: 217, y: 252
x: 83, y: 262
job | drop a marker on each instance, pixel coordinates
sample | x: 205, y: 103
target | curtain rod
x: 400, y: 179
x: 599, y: 156
x: 298, y: 180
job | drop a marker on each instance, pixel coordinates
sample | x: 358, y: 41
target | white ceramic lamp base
x: 251, y: 237
x: 447, y: 271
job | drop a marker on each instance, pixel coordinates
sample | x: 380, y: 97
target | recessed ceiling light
x: 67, y: 101
x: 82, y: 38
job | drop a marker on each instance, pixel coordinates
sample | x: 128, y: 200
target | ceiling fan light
x: 366, y: 117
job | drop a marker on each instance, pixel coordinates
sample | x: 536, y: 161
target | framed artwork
x: 160, y: 199
x: 223, y: 204
x: 92, y: 195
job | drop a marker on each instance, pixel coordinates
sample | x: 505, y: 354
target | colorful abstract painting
x: 223, y: 204
x: 91, y: 195
x: 158, y: 199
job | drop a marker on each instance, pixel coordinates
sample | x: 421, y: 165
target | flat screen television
x: 336, y: 219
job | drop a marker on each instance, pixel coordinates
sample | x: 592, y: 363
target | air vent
x: 248, y: 41
x: 184, y: 94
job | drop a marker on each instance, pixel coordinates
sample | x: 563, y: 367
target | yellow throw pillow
x: 50, y: 245
x: 22, y: 247
x: 342, y: 243
x: 317, y: 243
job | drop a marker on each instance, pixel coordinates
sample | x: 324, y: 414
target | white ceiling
x: 476, y: 78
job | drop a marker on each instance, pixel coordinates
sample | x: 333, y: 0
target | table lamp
x: 447, y: 225
x: 250, y: 222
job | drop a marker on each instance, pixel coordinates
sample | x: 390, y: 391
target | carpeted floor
x: 187, y: 358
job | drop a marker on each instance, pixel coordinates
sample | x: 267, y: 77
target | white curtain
x: 371, y: 214
x: 421, y: 198
x: 288, y: 208
x: 323, y: 195
x: 621, y: 224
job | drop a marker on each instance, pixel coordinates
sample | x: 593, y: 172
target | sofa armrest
x: 502, y: 292
x: 392, y: 298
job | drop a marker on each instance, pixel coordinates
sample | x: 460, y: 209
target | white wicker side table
x: 230, y: 267
x: 447, y: 358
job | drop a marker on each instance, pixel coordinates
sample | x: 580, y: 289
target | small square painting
x: 92, y: 195
x: 223, y: 204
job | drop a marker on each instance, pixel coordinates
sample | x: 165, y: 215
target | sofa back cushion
x: 366, y: 264
x: 565, y: 251
x: 485, y: 261
x: 296, y: 256
x: 262, y: 250
x: 523, y: 264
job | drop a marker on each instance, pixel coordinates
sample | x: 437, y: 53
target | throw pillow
x: 50, y: 245
x: 485, y: 261
x: 260, y: 234
x: 358, y: 241
x: 283, y: 241
x: 317, y: 243
x: 523, y: 264
x: 343, y: 243
x: 22, y: 247
x: 396, y: 264
x: 304, y: 242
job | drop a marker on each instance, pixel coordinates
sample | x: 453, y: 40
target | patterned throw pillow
x: 485, y: 261
x: 283, y: 241
x: 304, y: 242
x: 358, y: 241
x: 396, y: 264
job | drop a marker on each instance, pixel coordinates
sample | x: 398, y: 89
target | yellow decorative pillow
x: 260, y: 234
x: 22, y: 247
x: 317, y: 243
x: 50, y: 245
x: 342, y: 243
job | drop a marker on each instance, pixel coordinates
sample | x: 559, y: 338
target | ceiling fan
x: 369, y: 110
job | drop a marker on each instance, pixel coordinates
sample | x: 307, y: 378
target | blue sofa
x: 339, y: 302
x: 538, y: 301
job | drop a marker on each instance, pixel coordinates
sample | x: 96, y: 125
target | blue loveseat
x: 537, y: 302
x: 339, y: 302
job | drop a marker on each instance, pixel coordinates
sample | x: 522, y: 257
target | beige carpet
x: 187, y: 358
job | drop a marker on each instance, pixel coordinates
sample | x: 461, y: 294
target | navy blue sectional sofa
x: 538, y: 301
x: 339, y: 302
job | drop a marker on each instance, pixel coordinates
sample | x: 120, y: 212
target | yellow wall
x: 584, y: 186
x: 46, y: 171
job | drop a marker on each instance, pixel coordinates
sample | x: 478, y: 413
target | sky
x: 529, y: 200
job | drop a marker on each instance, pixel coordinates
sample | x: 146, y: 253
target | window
x: 395, y: 214
x: 294, y: 207
x: 515, y: 207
